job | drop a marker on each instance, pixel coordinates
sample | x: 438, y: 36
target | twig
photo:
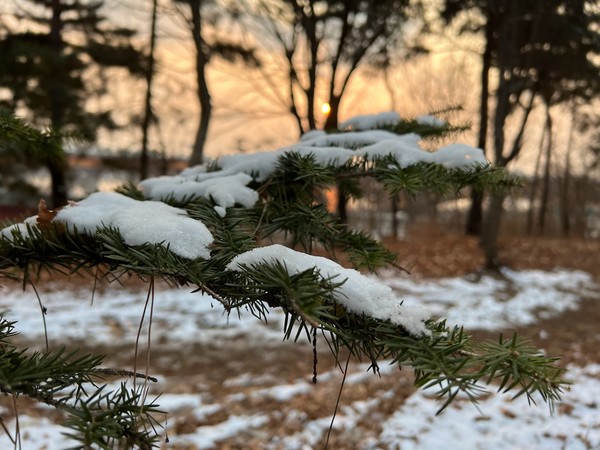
x: 296, y: 308
x: 17, y: 440
x: 139, y: 332
x: 337, y: 403
x: 225, y: 303
x: 123, y: 373
x: 315, y: 360
x: 149, y: 344
x: 43, y: 310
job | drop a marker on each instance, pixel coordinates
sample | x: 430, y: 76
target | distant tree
x: 483, y: 23
x: 324, y: 42
x: 539, y: 49
x: 44, y: 62
x: 148, y: 112
x: 198, y: 16
x: 24, y: 148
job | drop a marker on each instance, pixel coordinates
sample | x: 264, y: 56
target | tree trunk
x: 565, y: 210
x: 535, y: 180
x: 491, y: 230
x: 148, y: 103
x: 203, y: 91
x: 57, y: 171
x: 475, y: 216
x: 546, y: 180
x: 332, y: 124
x: 333, y: 117
x: 57, y: 168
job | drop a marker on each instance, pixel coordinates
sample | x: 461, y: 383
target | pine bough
x: 213, y: 228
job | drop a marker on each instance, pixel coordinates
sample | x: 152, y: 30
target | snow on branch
x: 358, y: 293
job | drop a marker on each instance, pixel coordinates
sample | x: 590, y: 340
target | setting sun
x: 325, y: 108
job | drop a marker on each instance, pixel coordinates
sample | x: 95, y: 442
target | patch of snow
x: 360, y: 294
x: 37, y: 433
x: 517, y: 298
x: 371, y: 121
x: 179, y: 316
x: 499, y: 423
x: 283, y: 393
x: 208, y: 437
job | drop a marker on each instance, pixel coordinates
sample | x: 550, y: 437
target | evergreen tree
x: 540, y: 49
x: 209, y: 231
x: 198, y: 16
x: 44, y: 60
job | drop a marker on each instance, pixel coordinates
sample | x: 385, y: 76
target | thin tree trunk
x: 57, y: 166
x: 394, y: 207
x: 148, y: 102
x: 203, y: 91
x: 332, y: 124
x: 491, y: 230
x: 58, y: 180
x: 475, y: 216
x: 546, y: 180
x: 566, y: 184
x: 333, y: 117
x: 535, y: 179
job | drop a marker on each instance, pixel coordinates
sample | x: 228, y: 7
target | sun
x: 325, y: 108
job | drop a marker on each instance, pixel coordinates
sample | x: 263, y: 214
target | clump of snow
x: 359, y: 293
x: 263, y: 164
x: 430, y: 120
x: 458, y: 156
x: 371, y: 121
x: 21, y: 229
x: 225, y: 189
x: 139, y: 223
x: 352, y: 139
x: 336, y: 150
x: 312, y: 134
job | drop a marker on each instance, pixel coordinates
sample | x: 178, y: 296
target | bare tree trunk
x: 203, y: 92
x: 148, y: 102
x: 535, y: 180
x: 546, y: 180
x: 491, y: 230
x: 332, y: 118
x: 57, y: 166
x: 565, y: 210
x: 475, y: 215
x: 332, y: 124
x: 57, y: 169
x: 394, y: 207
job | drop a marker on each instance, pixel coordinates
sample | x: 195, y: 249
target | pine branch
x: 311, y: 297
x: 69, y: 383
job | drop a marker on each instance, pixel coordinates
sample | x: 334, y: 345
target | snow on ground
x: 493, y: 303
x: 517, y: 298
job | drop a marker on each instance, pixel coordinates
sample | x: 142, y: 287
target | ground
x: 256, y: 392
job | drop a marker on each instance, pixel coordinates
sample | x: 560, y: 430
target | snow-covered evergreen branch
x: 219, y: 229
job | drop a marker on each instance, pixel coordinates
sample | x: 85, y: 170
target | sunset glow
x: 325, y: 108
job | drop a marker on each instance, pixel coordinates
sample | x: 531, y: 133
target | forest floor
x: 239, y: 390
